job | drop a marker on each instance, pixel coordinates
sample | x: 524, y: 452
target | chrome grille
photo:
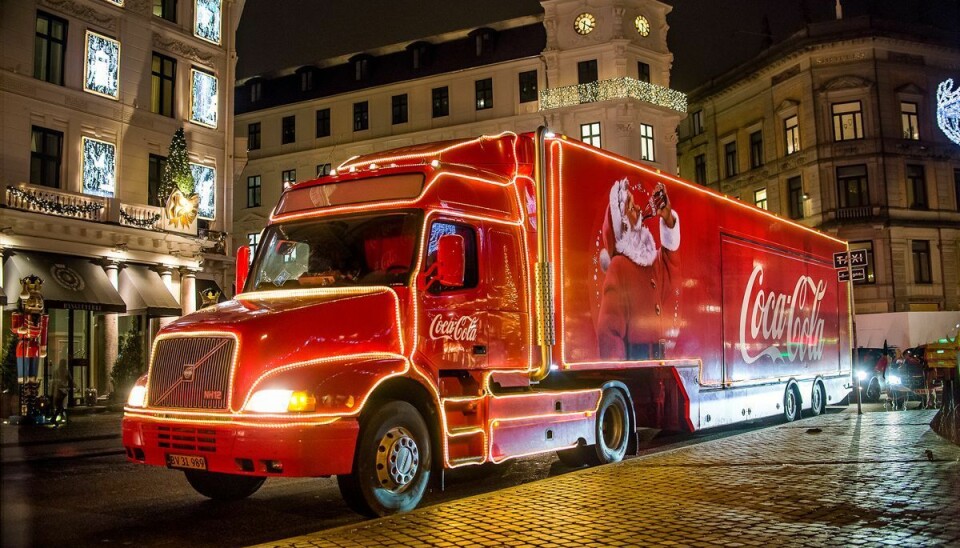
x: 191, y: 373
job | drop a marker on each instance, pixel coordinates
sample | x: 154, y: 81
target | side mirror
x: 243, y: 267
x: 451, y: 260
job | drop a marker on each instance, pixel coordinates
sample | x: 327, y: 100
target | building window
x: 756, y: 149
x: 361, y: 116
x: 253, y: 191
x: 791, y: 134
x: 306, y: 80
x: 323, y: 169
x: 361, y: 69
x: 847, y: 121
x: 484, y: 93
x: 760, y: 198
x: 49, y: 47
x: 852, y: 186
x: 323, y: 123
x: 441, y: 101
x: 697, y: 122
x: 870, y: 277
x: 46, y: 153
x: 163, y: 79
x: 165, y: 9
x: 921, y: 261
x: 730, y: 158
x: 288, y: 177
x: 587, y: 71
x: 288, y: 132
x: 590, y: 134
x: 155, y: 171
x: 399, y: 108
x: 646, y: 143
x: 253, y: 241
x: 528, y: 86
x: 643, y: 72
x: 916, y: 187
x: 253, y: 136
x: 700, y: 169
x: 256, y: 92
x: 908, y: 118
x: 795, y: 197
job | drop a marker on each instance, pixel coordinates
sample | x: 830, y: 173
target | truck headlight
x: 893, y: 379
x: 862, y: 375
x: 282, y: 401
x: 138, y: 394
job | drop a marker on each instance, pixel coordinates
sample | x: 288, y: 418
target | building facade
x: 92, y: 92
x: 836, y: 128
x: 597, y: 71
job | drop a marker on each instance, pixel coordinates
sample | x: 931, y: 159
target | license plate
x: 191, y: 462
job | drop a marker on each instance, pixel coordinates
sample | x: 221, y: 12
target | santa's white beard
x: 638, y: 246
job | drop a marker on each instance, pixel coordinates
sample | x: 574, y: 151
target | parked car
x: 906, y: 378
x: 870, y: 369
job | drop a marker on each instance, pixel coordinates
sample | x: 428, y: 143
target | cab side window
x: 469, y: 235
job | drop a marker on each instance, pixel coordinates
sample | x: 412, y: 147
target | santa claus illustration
x: 639, y: 306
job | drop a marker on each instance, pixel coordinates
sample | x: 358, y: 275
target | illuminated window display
x: 205, y: 179
x: 101, y: 73
x: 948, y: 110
x: 203, y: 98
x: 99, y: 168
x: 206, y: 23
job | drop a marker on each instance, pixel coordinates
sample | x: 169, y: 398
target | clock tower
x: 608, y: 77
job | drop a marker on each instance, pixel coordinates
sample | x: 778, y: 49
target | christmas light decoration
x: 47, y: 205
x: 614, y: 88
x: 204, y: 101
x: 146, y: 222
x: 101, y: 69
x: 206, y: 23
x: 99, y: 168
x: 948, y: 110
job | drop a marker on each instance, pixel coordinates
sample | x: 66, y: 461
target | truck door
x: 506, y: 298
x: 453, y: 320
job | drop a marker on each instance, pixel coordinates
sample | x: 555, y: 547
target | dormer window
x: 256, y: 91
x: 483, y: 40
x: 361, y: 67
x: 306, y: 78
x: 419, y: 54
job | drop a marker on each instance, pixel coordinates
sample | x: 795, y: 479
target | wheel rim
x: 398, y: 459
x: 791, y: 404
x: 612, y: 427
x: 817, y: 399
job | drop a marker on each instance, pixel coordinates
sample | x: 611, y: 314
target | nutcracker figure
x: 29, y: 324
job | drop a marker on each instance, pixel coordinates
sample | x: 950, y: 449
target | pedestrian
x: 61, y: 390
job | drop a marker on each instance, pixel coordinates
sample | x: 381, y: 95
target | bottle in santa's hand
x: 658, y: 200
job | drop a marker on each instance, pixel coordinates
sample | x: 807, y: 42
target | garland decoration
x: 147, y: 222
x: 54, y: 206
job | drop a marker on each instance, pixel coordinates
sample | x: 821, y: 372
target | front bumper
x: 257, y: 450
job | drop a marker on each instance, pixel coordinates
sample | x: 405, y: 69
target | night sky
x: 707, y: 37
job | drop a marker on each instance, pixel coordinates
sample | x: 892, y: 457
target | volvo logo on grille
x: 188, y: 372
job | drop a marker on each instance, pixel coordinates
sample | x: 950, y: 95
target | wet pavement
x: 872, y: 479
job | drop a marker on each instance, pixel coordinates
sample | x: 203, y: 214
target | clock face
x: 585, y: 23
x: 642, y: 25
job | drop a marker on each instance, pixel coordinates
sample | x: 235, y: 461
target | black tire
x: 818, y: 399
x: 612, y: 430
x: 791, y: 404
x: 391, y: 465
x: 872, y: 393
x: 219, y: 486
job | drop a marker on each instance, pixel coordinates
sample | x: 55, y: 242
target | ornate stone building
x: 91, y: 93
x: 597, y: 71
x: 836, y: 128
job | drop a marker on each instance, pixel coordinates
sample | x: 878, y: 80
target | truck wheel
x: 818, y: 399
x: 872, y: 394
x: 791, y: 404
x: 223, y: 486
x: 575, y: 457
x: 612, y: 429
x: 391, y: 466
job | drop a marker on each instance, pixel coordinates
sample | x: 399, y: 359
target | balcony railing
x: 614, y: 88
x: 142, y: 216
x: 52, y: 201
x: 850, y: 213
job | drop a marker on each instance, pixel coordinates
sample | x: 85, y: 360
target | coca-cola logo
x: 462, y: 328
x: 787, y: 327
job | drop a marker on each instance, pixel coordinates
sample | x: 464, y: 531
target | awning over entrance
x: 204, y: 285
x: 68, y: 282
x: 144, y: 291
x: 905, y: 329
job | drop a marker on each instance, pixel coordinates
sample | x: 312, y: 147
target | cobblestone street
x: 837, y: 479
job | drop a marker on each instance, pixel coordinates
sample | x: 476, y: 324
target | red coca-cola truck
x: 473, y: 301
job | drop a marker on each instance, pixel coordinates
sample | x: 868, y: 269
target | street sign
x: 859, y: 274
x: 855, y: 258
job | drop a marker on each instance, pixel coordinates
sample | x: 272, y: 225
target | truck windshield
x: 356, y: 250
